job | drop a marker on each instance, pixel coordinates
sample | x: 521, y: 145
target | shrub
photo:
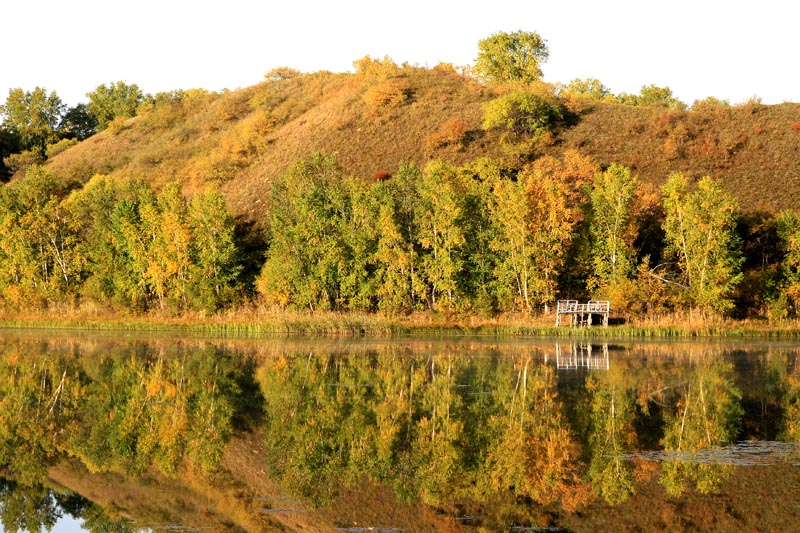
x: 282, y: 73
x: 22, y: 160
x: 390, y: 93
x: 54, y: 149
x: 452, y: 132
x: 521, y: 113
x: 367, y: 66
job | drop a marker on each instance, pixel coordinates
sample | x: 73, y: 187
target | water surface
x: 463, y: 434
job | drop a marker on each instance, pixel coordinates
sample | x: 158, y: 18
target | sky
x: 732, y: 50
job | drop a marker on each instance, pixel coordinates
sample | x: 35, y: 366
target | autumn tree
x: 309, y: 206
x: 34, y: 116
x: 535, y: 217
x: 165, y: 225
x: 401, y: 284
x: 612, y: 228
x: 515, y: 56
x: 214, y: 255
x: 700, y: 232
x: 115, y: 100
x: 441, y: 234
x: 38, y: 250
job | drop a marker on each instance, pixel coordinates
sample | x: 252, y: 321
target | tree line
x: 37, y: 124
x: 477, y: 238
x: 115, y: 242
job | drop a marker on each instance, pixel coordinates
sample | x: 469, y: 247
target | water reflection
x: 483, y: 433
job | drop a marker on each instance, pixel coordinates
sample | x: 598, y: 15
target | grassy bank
x: 262, y: 322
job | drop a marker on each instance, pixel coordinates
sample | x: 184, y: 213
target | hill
x: 385, y: 114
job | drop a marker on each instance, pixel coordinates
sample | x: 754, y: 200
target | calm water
x: 101, y: 433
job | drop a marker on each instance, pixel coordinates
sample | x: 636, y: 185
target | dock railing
x: 580, y: 314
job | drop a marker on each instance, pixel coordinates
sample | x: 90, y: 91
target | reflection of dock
x: 582, y: 356
x: 579, y: 314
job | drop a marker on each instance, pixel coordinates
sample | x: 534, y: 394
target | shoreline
x: 271, y: 324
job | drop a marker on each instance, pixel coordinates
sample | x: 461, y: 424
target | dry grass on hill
x: 385, y: 115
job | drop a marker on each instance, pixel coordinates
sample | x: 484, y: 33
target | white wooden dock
x: 580, y: 314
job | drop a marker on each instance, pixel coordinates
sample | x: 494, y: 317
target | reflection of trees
x: 792, y: 404
x: 34, y: 508
x: 533, y: 453
x: 120, y: 411
x: 39, y: 396
x: 156, y: 409
x: 31, y: 508
x: 612, y: 435
x: 707, y: 415
x: 432, y: 426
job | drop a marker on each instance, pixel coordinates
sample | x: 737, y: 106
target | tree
x: 39, y: 257
x: 515, y: 56
x: 77, y: 123
x: 589, y: 88
x: 789, y: 232
x: 439, y: 212
x: 699, y: 229
x: 652, y: 95
x: 307, y: 251
x: 401, y: 285
x: 165, y: 227
x: 521, y: 113
x: 34, y: 116
x: 115, y: 100
x: 214, y: 255
x: 611, y: 226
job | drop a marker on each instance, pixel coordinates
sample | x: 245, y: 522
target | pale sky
x: 730, y: 49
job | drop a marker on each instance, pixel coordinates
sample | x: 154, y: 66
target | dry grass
x: 373, y: 121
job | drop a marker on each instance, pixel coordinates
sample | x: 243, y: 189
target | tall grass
x: 260, y: 322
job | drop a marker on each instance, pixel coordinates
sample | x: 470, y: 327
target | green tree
x: 589, y: 88
x: 515, y: 56
x: 215, y: 264
x: 439, y: 212
x: 77, y: 123
x: 789, y: 232
x: 699, y: 229
x: 308, y: 210
x: 521, y: 113
x: 612, y: 228
x: 115, y: 100
x: 34, y: 116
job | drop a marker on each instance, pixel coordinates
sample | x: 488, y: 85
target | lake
x: 113, y: 432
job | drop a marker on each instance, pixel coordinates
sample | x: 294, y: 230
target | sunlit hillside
x: 240, y: 140
x: 384, y: 115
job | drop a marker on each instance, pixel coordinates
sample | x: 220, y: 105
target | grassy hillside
x: 384, y: 115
